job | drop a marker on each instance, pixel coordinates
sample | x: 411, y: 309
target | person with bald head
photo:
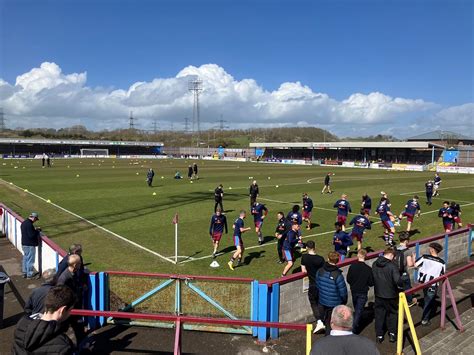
x: 341, y: 339
x: 70, y: 278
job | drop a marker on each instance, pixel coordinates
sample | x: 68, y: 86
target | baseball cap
x: 34, y: 215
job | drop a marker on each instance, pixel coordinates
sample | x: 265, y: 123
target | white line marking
x: 442, y: 188
x: 94, y: 224
x: 363, y: 177
x: 307, y: 236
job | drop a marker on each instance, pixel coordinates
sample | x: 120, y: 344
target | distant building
x: 445, y: 138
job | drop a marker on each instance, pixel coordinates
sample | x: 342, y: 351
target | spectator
x: 44, y: 333
x: 310, y: 264
x: 74, y: 249
x: 430, y: 267
x: 386, y: 280
x: 360, y: 278
x: 190, y: 172
x: 30, y: 237
x: 405, y: 259
x: 35, y: 304
x: 70, y: 278
x: 332, y: 289
x: 195, y: 171
x: 342, y: 340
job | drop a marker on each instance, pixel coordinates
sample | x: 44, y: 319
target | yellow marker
x: 48, y: 201
x: 309, y: 331
x: 26, y: 190
x: 154, y: 193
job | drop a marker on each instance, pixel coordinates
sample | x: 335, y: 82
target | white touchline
x: 307, y: 236
x: 94, y: 224
x: 441, y: 188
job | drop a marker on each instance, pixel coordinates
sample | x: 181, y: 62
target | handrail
x: 187, y: 319
x: 180, y: 277
x: 442, y: 277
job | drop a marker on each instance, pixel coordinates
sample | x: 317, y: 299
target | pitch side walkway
x: 139, y: 340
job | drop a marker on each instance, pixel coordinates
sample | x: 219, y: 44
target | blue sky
x: 406, y: 49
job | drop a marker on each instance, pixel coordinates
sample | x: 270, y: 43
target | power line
x: 155, y: 130
x: 195, y: 86
x: 2, y: 120
x: 186, y: 124
x: 131, y: 121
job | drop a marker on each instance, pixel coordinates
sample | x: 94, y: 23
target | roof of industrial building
x: 440, y: 136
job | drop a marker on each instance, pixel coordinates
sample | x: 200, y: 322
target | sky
x: 355, y: 67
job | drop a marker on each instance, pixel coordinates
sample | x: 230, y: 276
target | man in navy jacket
x: 332, y: 289
x: 30, y: 237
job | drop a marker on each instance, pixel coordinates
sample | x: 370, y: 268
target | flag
x: 175, y: 218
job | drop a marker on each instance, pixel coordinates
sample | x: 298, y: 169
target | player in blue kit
x: 238, y: 242
x: 295, y: 215
x: 343, y: 209
x: 412, y: 209
x: 289, y: 244
x: 216, y: 229
x: 436, y: 184
x: 307, y: 210
x: 361, y: 223
x: 366, y: 203
x: 259, y: 212
x: 341, y: 241
x: 386, y: 216
x: 446, y: 213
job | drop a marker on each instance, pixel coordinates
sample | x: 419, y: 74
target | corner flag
x: 175, y: 218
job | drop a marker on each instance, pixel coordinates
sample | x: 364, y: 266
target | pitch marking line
x: 95, y: 224
x: 304, y: 237
x: 442, y: 188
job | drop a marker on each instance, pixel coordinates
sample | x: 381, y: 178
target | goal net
x: 100, y: 153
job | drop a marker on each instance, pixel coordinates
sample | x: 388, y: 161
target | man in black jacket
x: 386, y: 286
x: 218, y: 196
x: 30, y: 237
x: 253, y: 192
x: 360, y: 278
x: 45, y: 334
x: 35, y: 303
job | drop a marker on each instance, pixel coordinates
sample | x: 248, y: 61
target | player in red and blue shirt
x: 343, y: 209
x: 341, y: 240
x: 216, y: 229
x: 294, y: 216
x: 238, y: 242
x: 361, y: 223
x: 386, y: 216
x: 292, y: 237
x: 259, y: 212
x: 307, y: 210
x: 446, y: 213
x: 412, y: 209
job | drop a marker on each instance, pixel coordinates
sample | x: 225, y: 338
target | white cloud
x: 46, y: 97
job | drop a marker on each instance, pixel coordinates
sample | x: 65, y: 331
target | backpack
x: 399, y: 260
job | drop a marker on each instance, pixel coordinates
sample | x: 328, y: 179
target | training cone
x: 77, y: 175
x: 137, y: 173
x: 48, y: 201
x: 214, y: 264
x: 277, y: 186
x: 154, y: 193
x: 26, y: 190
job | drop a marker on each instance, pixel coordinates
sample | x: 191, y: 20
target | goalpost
x: 99, y: 153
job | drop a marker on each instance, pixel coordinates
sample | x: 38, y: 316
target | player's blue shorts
x: 238, y: 242
x: 388, y: 224
x: 288, y: 254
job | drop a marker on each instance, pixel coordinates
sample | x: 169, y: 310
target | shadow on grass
x: 253, y: 255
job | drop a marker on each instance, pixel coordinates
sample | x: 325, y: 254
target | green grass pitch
x: 113, y: 194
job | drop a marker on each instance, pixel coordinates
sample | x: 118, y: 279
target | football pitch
x: 107, y: 207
